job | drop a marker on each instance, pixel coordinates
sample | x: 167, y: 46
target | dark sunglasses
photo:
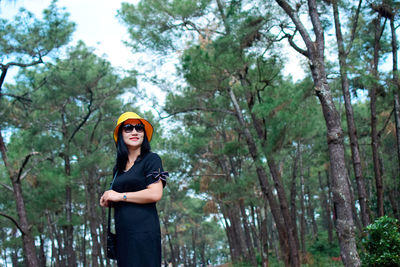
x: 128, y: 128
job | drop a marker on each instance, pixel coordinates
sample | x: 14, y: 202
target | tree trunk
x: 264, y: 237
x: 352, y: 129
x: 311, y: 213
x: 324, y: 197
x: 251, y: 256
x: 28, y: 241
x: 393, y: 202
x: 194, y: 237
x: 396, y: 89
x: 374, y: 131
x: 293, y: 192
x: 54, y: 253
x: 341, y: 194
x: 171, y: 247
x: 42, y: 255
x: 302, y: 209
x: 92, y: 202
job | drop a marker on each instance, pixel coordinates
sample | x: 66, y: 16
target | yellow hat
x: 132, y: 115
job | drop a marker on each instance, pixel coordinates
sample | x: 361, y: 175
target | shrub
x: 382, y: 243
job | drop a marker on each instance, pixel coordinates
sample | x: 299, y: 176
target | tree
x: 28, y: 47
x: 352, y: 130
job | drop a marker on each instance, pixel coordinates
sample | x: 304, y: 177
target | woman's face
x: 133, y: 136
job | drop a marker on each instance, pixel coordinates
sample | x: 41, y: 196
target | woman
x: 137, y: 187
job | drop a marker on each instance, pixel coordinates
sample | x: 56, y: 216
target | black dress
x: 137, y: 225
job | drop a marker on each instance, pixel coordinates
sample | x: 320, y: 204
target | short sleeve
x: 153, y: 170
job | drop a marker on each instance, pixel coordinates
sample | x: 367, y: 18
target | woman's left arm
x: 151, y: 194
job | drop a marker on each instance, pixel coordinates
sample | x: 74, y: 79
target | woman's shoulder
x: 151, y: 156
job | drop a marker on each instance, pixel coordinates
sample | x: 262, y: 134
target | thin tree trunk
x: 92, y: 202
x: 374, y: 131
x: 242, y: 233
x: 329, y: 208
x: 171, y: 247
x: 311, y: 212
x: 396, y: 89
x: 324, y: 203
x: 71, y: 256
x: 293, y: 192
x: 353, y: 208
x: 54, y: 254
x: 264, y: 237
x: 352, y: 129
x: 194, y: 237
x: 42, y: 255
x: 393, y: 203
x: 229, y: 235
x: 302, y: 209
x: 251, y: 256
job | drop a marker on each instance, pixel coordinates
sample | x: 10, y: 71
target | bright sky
x: 96, y: 24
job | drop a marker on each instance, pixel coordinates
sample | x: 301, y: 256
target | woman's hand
x: 110, y: 196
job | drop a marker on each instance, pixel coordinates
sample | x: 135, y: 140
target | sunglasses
x: 128, y: 128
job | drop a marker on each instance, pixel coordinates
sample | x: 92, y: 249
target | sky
x: 96, y: 24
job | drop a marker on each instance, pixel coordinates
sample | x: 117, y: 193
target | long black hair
x: 122, y: 150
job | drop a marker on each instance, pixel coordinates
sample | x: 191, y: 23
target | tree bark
x: 171, y: 247
x: 341, y: 194
x: 374, y: 131
x: 396, y: 89
x: 324, y: 197
x: 54, y: 252
x: 251, y: 256
x: 302, y: 209
x: 293, y: 191
x: 311, y: 212
x: 264, y: 237
x: 352, y: 129
x: 92, y: 202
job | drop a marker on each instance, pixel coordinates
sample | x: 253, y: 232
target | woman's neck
x: 133, y: 154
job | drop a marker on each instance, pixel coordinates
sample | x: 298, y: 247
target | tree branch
x: 17, y: 97
x: 294, y: 45
x: 354, y: 28
x: 14, y: 221
x: 316, y: 22
x: 7, y: 187
x: 24, y: 164
x: 296, y: 20
x: 223, y: 16
x: 386, y: 123
x: 198, y: 109
x: 85, y: 118
x: 4, y: 68
x: 188, y: 22
x: 3, y: 150
x: 22, y: 65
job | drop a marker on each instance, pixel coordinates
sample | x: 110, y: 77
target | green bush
x: 382, y: 243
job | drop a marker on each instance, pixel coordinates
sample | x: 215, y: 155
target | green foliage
x: 26, y: 37
x: 382, y: 243
x: 320, y: 247
x: 155, y: 24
